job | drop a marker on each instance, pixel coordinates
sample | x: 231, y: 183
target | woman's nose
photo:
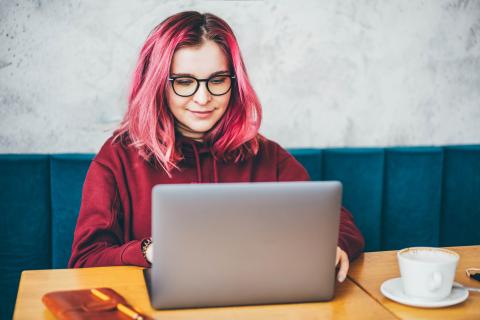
x: 202, y: 96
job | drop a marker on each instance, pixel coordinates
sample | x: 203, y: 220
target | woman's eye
x: 184, y: 82
x: 218, y: 80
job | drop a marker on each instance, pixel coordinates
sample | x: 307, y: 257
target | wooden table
x: 372, y: 269
x: 359, y: 297
x: 351, y: 302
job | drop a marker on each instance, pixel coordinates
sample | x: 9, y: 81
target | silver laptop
x: 243, y: 243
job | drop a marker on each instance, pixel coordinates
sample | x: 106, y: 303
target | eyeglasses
x: 186, y: 86
x: 473, y: 273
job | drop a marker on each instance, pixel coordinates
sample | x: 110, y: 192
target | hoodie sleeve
x: 350, y: 238
x: 98, y: 237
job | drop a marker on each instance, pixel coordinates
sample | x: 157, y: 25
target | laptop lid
x: 243, y: 243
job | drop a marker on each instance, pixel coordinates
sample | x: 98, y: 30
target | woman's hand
x: 342, y: 258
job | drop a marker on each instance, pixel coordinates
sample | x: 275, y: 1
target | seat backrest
x: 406, y: 196
x: 400, y: 197
x: 67, y: 174
x: 24, y: 221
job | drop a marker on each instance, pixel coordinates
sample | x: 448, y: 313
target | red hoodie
x: 115, y: 213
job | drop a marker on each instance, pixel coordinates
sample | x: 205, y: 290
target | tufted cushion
x: 68, y: 172
x: 24, y: 221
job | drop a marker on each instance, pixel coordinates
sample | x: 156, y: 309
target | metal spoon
x: 459, y: 285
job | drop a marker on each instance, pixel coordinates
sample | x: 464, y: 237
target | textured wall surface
x: 328, y: 73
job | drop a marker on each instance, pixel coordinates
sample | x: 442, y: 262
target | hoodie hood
x: 194, y: 152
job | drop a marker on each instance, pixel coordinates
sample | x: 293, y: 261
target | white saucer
x: 393, y: 290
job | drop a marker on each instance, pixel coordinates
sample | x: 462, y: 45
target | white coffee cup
x: 427, y: 273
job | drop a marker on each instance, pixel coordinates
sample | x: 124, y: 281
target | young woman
x: 193, y: 117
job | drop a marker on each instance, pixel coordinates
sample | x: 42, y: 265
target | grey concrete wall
x: 329, y: 73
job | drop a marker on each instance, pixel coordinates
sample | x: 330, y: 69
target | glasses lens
x: 219, y: 85
x: 184, y: 86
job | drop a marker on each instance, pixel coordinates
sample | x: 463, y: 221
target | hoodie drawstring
x: 215, y: 175
x: 198, y: 167
x: 197, y: 163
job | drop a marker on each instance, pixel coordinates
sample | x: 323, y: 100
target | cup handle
x: 435, y: 281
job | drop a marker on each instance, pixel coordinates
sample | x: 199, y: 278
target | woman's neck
x: 189, y: 133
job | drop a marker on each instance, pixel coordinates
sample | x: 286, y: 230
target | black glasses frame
x: 172, y: 79
x: 473, y: 273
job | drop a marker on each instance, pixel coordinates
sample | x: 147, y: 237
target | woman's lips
x: 202, y: 114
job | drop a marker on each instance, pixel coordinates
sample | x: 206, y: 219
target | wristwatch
x: 145, y: 244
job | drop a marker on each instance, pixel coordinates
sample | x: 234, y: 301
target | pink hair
x: 148, y: 122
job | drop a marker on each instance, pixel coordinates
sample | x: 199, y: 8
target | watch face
x: 149, y: 253
x: 145, y: 245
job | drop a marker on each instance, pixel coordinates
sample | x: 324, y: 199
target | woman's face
x: 198, y: 113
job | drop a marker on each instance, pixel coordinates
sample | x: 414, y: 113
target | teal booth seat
x: 408, y: 196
